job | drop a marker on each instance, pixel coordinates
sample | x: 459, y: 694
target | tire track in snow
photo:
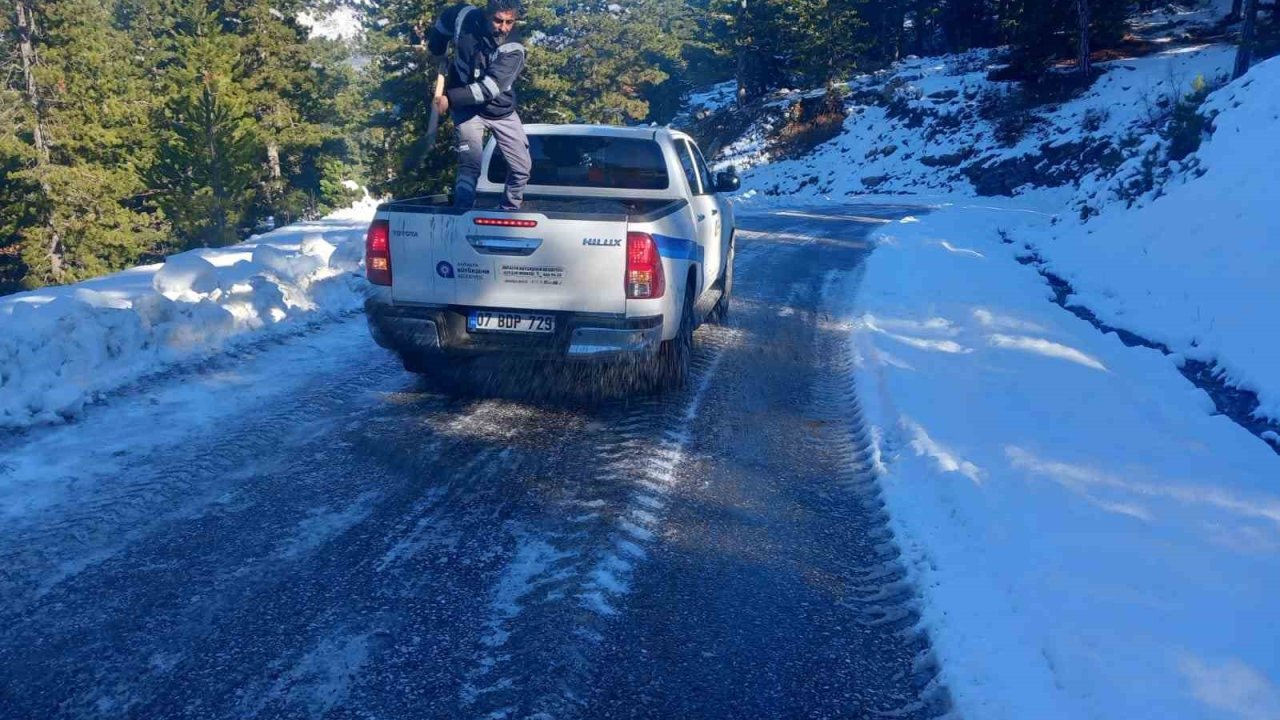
x: 550, y: 610
x: 652, y: 475
x: 744, y: 610
x: 880, y: 592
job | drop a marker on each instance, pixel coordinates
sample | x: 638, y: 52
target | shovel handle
x: 440, y: 71
x: 434, y: 123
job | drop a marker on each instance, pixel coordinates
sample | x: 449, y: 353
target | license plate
x: 511, y: 322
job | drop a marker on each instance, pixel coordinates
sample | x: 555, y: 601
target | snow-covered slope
x: 62, y: 347
x: 939, y: 125
x: 1198, y: 268
x: 1090, y: 538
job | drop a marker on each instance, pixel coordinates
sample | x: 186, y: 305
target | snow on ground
x: 1090, y: 538
x: 1196, y: 268
x: 1170, y: 21
x: 929, y: 124
x: 715, y: 98
x: 65, y: 346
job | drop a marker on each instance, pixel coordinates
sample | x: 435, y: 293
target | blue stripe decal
x: 674, y: 248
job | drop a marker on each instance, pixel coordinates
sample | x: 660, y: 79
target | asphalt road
x: 305, y: 530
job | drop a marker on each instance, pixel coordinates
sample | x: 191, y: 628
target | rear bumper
x: 578, y: 336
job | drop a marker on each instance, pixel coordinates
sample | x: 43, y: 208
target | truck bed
x: 633, y: 210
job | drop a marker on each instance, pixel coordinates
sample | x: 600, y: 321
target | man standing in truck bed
x: 479, y: 93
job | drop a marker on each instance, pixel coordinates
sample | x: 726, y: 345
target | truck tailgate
x: 520, y: 261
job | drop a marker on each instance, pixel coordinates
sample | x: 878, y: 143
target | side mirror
x: 727, y: 182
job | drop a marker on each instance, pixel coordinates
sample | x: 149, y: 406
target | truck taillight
x: 377, y: 253
x: 505, y: 222
x: 644, y: 268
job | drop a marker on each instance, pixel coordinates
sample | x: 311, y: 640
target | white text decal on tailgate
x: 532, y: 274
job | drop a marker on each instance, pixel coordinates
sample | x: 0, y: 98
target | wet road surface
x: 307, y: 531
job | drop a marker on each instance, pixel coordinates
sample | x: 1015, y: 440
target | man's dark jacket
x: 483, y: 72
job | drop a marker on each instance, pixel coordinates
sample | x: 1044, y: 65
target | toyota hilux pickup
x: 624, y: 245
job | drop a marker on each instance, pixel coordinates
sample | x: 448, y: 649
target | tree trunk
x: 921, y: 40
x: 745, y: 71
x: 26, y: 28
x: 1005, y: 30
x: 28, y: 64
x: 1244, y: 56
x: 1237, y: 7
x: 1082, y: 10
x: 215, y: 163
x: 897, y: 24
x: 750, y: 75
x: 273, y: 159
x: 273, y: 183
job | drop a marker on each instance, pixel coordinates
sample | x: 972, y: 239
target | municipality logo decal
x: 444, y: 269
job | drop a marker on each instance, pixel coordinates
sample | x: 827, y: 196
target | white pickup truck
x: 624, y: 245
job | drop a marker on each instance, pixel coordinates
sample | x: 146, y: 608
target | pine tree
x: 755, y: 38
x: 86, y: 211
x: 707, y: 58
x: 336, y: 101
x: 1044, y: 31
x: 206, y: 168
x: 810, y: 42
x: 617, y: 59
x: 291, y: 86
x: 118, y: 116
x: 882, y: 24
x: 968, y: 24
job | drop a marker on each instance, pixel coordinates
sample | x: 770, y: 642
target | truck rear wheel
x: 675, y: 355
x: 720, y: 313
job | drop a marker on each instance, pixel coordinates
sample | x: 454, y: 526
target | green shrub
x: 1186, y: 125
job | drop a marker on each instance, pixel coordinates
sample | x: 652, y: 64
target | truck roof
x: 645, y: 132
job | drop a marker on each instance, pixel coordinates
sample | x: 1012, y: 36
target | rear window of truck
x: 590, y: 161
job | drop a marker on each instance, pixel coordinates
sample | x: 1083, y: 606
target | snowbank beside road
x: 61, y: 347
x: 1198, y: 269
x: 1090, y: 539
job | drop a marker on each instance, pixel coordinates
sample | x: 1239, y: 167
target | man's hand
x: 442, y: 104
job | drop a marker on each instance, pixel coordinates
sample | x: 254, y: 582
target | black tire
x: 720, y: 313
x: 675, y: 355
